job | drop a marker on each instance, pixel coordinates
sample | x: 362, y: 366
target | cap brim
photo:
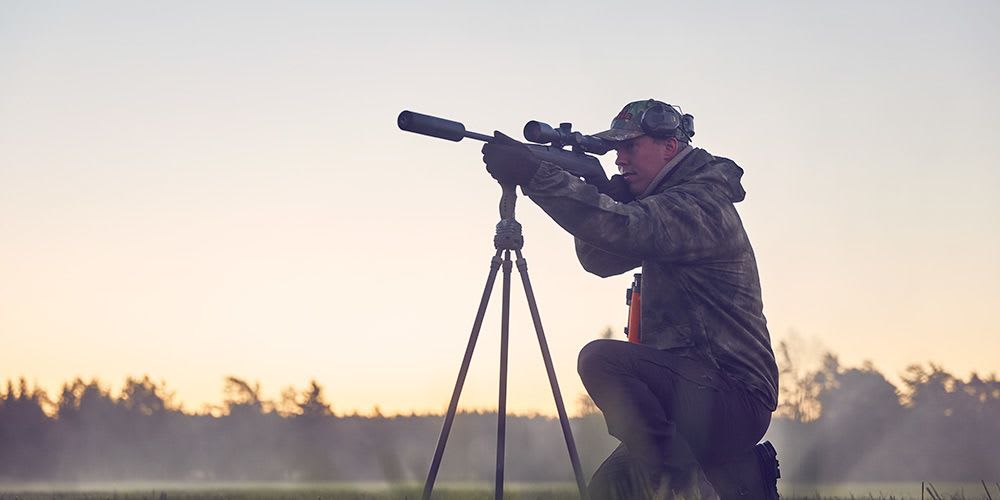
x: 618, y: 135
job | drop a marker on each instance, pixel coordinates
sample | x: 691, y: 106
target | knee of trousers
x: 599, y: 359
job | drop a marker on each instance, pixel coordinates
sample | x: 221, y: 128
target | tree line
x: 840, y: 423
x: 834, y: 423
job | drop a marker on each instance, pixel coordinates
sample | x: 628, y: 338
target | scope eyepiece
x: 590, y: 143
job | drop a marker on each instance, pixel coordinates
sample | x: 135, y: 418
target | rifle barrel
x: 437, y: 127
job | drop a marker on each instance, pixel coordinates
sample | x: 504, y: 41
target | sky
x: 193, y: 190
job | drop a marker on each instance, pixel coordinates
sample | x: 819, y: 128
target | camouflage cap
x: 627, y: 124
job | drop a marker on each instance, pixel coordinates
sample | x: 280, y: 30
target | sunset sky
x: 192, y: 190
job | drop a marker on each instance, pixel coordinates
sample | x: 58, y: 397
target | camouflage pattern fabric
x: 700, y: 288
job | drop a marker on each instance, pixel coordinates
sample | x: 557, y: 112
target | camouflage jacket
x: 700, y: 288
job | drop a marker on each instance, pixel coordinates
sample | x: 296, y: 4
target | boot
x: 767, y: 457
x: 751, y: 475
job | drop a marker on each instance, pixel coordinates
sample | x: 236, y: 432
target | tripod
x: 507, y: 239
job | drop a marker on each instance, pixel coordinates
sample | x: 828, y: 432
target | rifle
x: 548, y: 142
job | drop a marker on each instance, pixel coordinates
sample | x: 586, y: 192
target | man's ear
x: 670, y: 148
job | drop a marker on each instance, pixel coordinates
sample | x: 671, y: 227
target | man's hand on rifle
x: 617, y: 188
x: 509, y: 161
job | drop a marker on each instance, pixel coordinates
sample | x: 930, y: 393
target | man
x: 690, y: 401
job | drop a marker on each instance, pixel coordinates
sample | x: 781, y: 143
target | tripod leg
x: 502, y: 405
x: 574, y: 457
x: 453, y: 406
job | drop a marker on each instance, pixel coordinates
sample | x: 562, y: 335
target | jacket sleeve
x: 685, y: 223
x: 604, y: 264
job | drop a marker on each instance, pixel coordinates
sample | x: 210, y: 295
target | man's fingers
x: 490, y: 150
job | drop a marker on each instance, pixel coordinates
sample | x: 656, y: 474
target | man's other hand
x: 509, y: 161
x: 617, y: 188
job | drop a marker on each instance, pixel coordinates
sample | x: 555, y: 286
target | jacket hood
x: 700, y: 166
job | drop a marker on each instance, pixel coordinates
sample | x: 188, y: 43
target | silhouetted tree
x: 858, y: 406
x: 24, y: 432
x: 313, y: 404
x: 798, y: 390
x: 145, y: 396
x: 240, y: 396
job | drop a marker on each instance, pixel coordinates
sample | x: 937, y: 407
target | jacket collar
x: 668, y: 169
x: 701, y: 165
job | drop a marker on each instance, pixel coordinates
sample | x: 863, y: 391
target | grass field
x: 447, y: 491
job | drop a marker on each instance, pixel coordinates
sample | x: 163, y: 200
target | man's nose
x: 620, y: 161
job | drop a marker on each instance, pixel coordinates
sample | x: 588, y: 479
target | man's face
x: 641, y: 158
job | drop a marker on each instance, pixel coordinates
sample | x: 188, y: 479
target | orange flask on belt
x: 634, y: 301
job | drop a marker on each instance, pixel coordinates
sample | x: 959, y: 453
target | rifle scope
x: 543, y: 133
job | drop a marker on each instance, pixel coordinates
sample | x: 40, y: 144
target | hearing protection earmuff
x: 663, y: 121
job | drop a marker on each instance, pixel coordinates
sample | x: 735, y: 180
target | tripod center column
x: 508, y: 235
